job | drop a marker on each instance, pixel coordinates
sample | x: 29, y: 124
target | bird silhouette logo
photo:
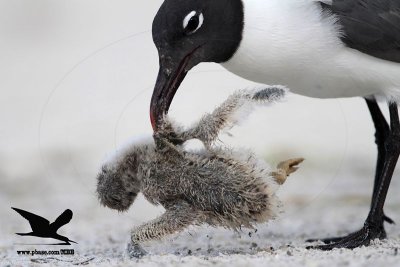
x: 41, y: 227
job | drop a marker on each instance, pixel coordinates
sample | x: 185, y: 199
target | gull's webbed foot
x: 360, y: 238
x: 135, y: 251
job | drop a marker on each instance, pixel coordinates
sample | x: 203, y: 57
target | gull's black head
x: 187, y: 32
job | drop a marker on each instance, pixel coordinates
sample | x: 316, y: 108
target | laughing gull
x: 320, y: 49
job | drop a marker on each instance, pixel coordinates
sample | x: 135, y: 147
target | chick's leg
x: 210, y: 125
x: 230, y: 112
x: 285, y: 168
x: 176, y: 218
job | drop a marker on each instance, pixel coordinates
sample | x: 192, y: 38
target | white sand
x: 103, y: 234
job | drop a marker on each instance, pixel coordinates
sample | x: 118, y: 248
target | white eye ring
x: 191, y: 15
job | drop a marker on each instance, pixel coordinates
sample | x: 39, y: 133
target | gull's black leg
x: 388, y: 142
x: 382, y: 131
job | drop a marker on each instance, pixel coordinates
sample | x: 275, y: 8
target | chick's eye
x: 192, y: 22
x: 114, y: 199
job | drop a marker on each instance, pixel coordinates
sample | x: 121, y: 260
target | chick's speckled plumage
x: 216, y: 185
x: 228, y: 190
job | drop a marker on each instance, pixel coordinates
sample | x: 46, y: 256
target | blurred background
x: 76, y: 79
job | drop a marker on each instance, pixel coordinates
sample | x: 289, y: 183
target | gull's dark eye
x: 192, y: 22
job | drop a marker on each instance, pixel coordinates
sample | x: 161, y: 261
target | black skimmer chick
x: 214, y: 185
x: 321, y: 49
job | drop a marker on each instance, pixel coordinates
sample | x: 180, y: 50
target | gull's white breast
x: 292, y: 43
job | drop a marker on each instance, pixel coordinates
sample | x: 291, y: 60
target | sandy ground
x: 335, y: 207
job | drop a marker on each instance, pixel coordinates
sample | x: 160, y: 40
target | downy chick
x: 216, y: 185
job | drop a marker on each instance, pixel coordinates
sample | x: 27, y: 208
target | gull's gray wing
x: 370, y: 26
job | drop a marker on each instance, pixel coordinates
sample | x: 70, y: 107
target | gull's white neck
x: 292, y: 43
